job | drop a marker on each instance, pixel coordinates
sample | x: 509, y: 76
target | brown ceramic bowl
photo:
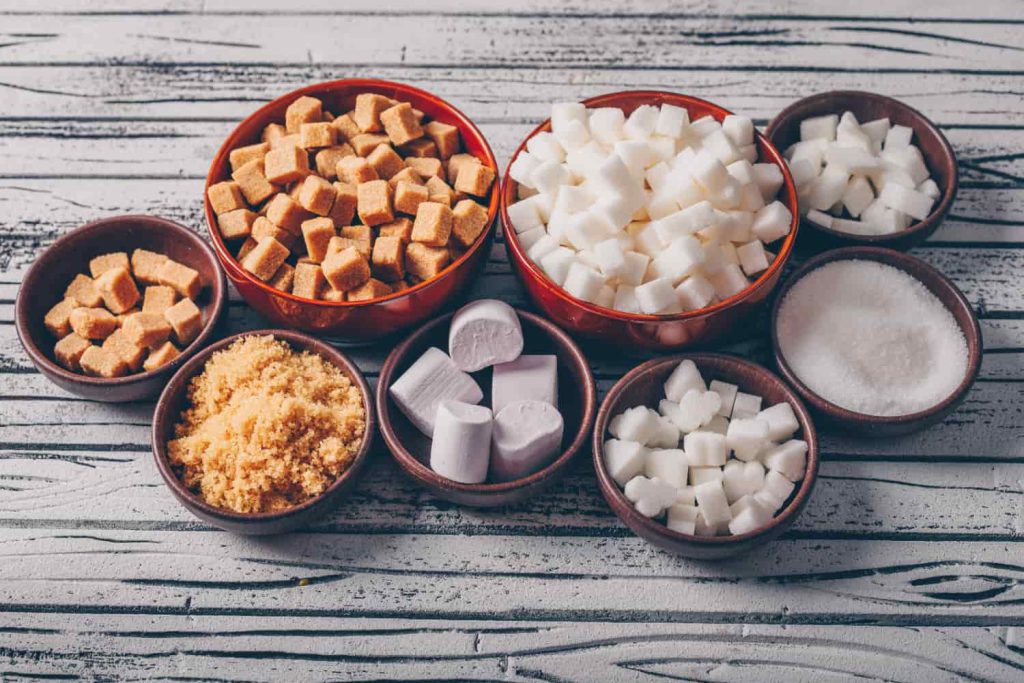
x: 577, y: 401
x: 355, y: 321
x: 658, y: 332
x: 174, y: 400
x: 644, y: 385
x: 946, y: 292
x: 44, y: 284
x: 784, y: 130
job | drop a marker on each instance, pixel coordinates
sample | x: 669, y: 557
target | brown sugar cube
x: 97, y: 362
x: 186, y: 320
x: 361, y: 236
x: 327, y: 116
x: 339, y: 243
x: 439, y: 190
x: 83, y: 290
x: 309, y: 281
x: 399, y: 286
x: 92, y: 323
x: 236, y: 224
x: 371, y: 289
x: 445, y: 136
x: 68, y: 351
x: 355, y: 171
x: 407, y: 175
x: 364, y: 143
x: 273, y: 132
x: 145, y: 264
x: 468, y: 220
x: 317, y: 195
x: 316, y: 233
x: 345, y: 200
x: 253, y: 183
x: 147, y: 329
x: 225, y: 197
x: 246, y: 247
x: 317, y: 135
x: 105, y: 262
x: 433, y: 224
x: 326, y: 160
x: 426, y: 167
x: 374, y: 202
x: 264, y: 227
x: 283, y: 278
x: 121, y: 317
x: 286, y: 165
x: 118, y: 290
x: 408, y: 197
x: 368, y: 110
x: 240, y: 156
x: 158, y: 298
x: 389, y: 258
x: 131, y: 353
x: 286, y: 142
x: 331, y: 294
x: 474, y: 179
x: 184, y: 280
x: 57, y: 320
x: 160, y: 356
x: 346, y: 127
x: 286, y: 213
x: 346, y: 269
x: 456, y: 162
x: 385, y: 161
x: 400, y: 228
x: 265, y: 258
x: 421, y: 149
x: 401, y: 124
x: 423, y: 261
x: 303, y: 110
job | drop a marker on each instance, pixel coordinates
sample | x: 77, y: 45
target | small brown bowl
x: 173, y: 401
x: 577, y: 401
x: 784, y: 130
x: 946, y: 292
x: 44, y: 283
x: 645, y: 385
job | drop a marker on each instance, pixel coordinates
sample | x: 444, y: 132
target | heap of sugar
x: 870, y: 338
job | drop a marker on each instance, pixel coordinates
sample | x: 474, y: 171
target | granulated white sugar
x: 871, y: 338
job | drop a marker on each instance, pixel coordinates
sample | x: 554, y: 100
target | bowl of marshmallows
x: 648, y: 218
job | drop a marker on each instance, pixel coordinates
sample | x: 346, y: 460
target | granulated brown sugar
x: 267, y: 427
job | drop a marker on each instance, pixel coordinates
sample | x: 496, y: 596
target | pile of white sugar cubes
x: 518, y: 434
x: 710, y: 457
x: 860, y: 178
x: 651, y: 214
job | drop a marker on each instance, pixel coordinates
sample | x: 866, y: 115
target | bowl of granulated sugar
x: 877, y: 342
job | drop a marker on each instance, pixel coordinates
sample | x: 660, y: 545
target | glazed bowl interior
x: 644, y: 385
x: 944, y: 290
x: 784, y: 130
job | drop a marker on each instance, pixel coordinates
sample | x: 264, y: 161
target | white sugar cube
x: 740, y: 129
x: 788, y: 459
x: 673, y: 121
x: 910, y: 160
x: 803, y: 172
x: 768, y: 178
x: 820, y: 218
x: 610, y: 258
x: 828, y: 188
x: 777, y: 488
x: 657, y: 174
x: 606, y: 297
x: 641, y: 123
x: 712, y: 502
x: 583, y: 231
x: 566, y: 112
x: 635, y: 424
x: 530, y: 237
x: 695, y: 292
x: 851, y: 159
x: 545, y: 147
x: 702, y: 528
x: 684, y: 496
x: 524, y: 215
x: 750, y: 198
x: 767, y: 500
x: 648, y: 241
x: 572, y: 199
x: 858, y: 195
x: 750, y: 152
x: 929, y: 188
x: 548, y: 176
x: 657, y: 297
x: 718, y: 425
x: 719, y: 144
x: 906, y: 200
x: 636, y: 154
x: 685, y: 221
x: 572, y: 135
x: 747, y: 437
x: 704, y: 126
x: 726, y: 393
x: 634, y: 269
x: 668, y: 464
x: 661, y: 204
x: 752, y: 257
x: 666, y: 434
x: 898, y: 136
x: 584, y: 161
x: 709, y: 172
x: 876, y: 130
x: 625, y: 299
x: 662, y: 148
x: 728, y: 281
x: 734, y: 226
x: 856, y: 227
x: 819, y: 127
x: 742, y: 171
x: 522, y: 168
x: 556, y: 264
x: 624, y: 459
x: 649, y: 496
x: 705, y: 449
x: 544, y: 245
x: 746, y: 405
x: 587, y: 258
x: 682, y: 518
x: 781, y: 419
x: 606, y: 124
x: 612, y: 176
x: 680, y: 258
x: 772, y: 222
x: 583, y: 282
x: 684, y: 378
x: 748, y: 520
x: 701, y: 405
x: 614, y: 211
x: 851, y: 136
x: 741, y: 478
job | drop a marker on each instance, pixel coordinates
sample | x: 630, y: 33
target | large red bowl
x: 659, y: 332
x: 363, y: 320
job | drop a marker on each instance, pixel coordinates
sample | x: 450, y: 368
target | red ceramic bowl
x: 363, y: 320
x: 658, y: 332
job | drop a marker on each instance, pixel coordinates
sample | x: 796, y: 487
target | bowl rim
x: 179, y: 382
x: 949, y: 188
x: 428, y: 477
x: 218, y: 299
x: 902, y: 262
x: 464, y: 123
x: 626, y: 510
x: 652, y: 96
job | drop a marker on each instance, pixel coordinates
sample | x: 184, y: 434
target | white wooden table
x: 908, y: 564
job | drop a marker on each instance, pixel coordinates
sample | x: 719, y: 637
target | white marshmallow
x: 685, y: 377
x: 682, y: 518
x: 929, y: 188
x: 718, y: 425
x: 820, y: 218
x: 527, y: 378
x: 461, y: 445
x: 726, y: 394
x: 695, y: 292
x: 742, y: 478
x: 702, y: 528
x: 684, y: 496
x: 781, y: 419
x: 649, y: 496
x: 772, y: 222
x: 634, y: 424
x: 712, y: 502
x: 527, y: 436
x: 667, y: 464
x: 702, y: 475
x: 583, y: 282
x: 657, y: 297
x: 624, y: 459
x: 746, y: 405
x: 483, y: 333
x: 747, y: 437
x: 705, y: 449
x: 788, y: 459
x: 433, y: 378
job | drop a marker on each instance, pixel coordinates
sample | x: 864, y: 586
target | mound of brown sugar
x: 267, y: 427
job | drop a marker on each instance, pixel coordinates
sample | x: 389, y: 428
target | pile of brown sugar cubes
x: 352, y: 207
x: 135, y: 331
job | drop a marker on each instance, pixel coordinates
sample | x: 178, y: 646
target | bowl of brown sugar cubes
x: 110, y: 310
x: 352, y: 208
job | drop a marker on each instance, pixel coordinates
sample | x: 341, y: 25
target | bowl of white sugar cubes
x: 648, y: 218
x: 706, y: 455
x: 486, y: 406
x: 868, y: 169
